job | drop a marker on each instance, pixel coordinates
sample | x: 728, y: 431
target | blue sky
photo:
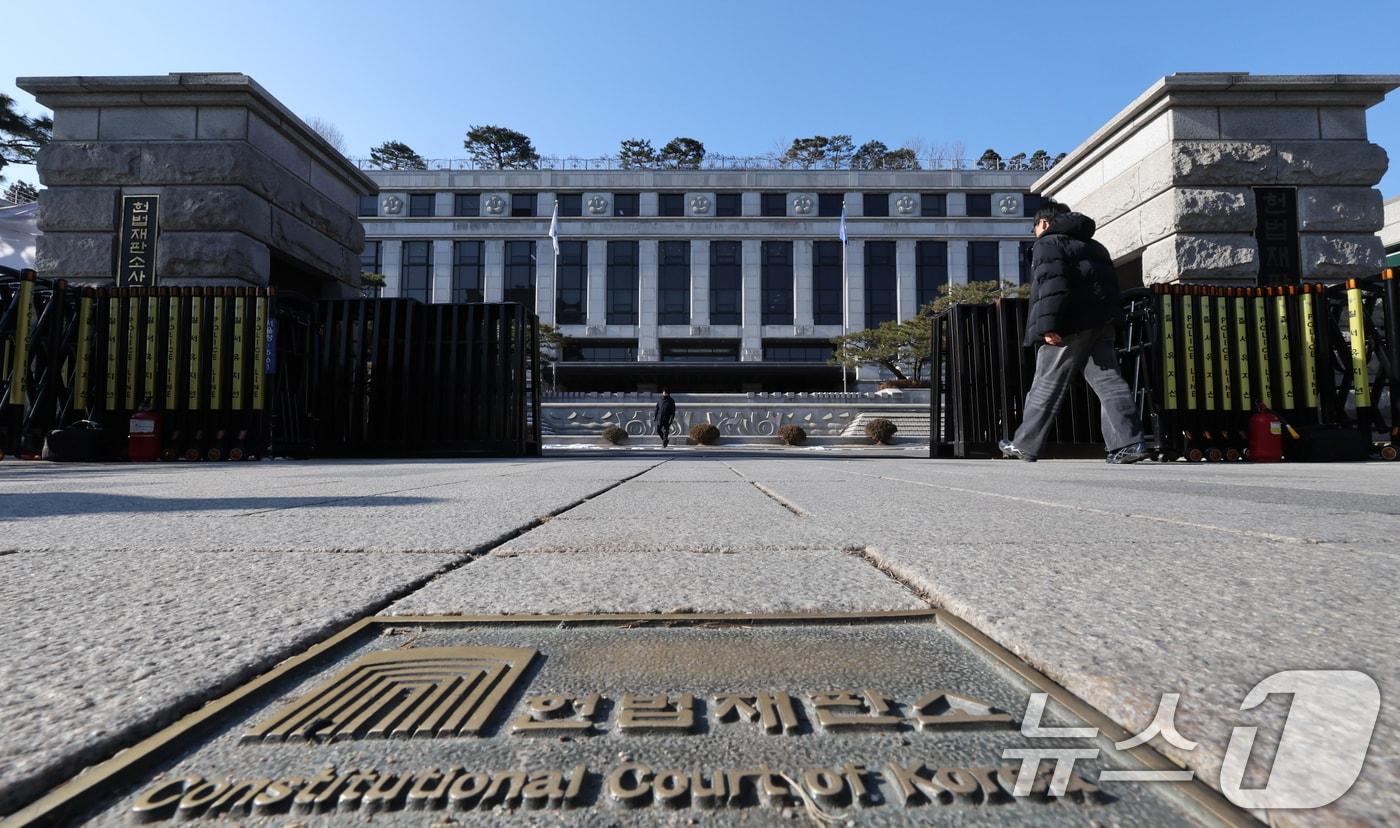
x: 743, y: 77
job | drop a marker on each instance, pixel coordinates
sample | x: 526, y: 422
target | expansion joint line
x: 865, y: 554
x: 1248, y: 533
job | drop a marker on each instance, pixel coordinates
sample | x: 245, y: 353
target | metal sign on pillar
x: 136, y: 244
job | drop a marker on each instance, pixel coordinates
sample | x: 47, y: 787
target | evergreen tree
x: 499, y: 148
x: 396, y: 155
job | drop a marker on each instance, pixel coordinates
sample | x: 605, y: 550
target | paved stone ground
x: 131, y: 594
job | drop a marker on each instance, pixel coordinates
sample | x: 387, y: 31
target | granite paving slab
x: 662, y: 581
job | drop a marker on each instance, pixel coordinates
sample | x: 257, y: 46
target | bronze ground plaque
x: 888, y: 719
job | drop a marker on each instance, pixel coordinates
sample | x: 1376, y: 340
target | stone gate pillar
x: 248, y: 193
x: 1235, y: 179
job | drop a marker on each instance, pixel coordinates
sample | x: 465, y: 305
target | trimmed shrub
x: 880, y: 430
x: 704, y: 434
x: 615, y: 435
x: 792, y: 435
x: 901, y: 384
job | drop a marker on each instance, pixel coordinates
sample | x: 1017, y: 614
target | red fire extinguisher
x: 143, y: 435
x: 1265, y: 436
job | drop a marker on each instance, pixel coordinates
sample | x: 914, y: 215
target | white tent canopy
x: 19, y: 227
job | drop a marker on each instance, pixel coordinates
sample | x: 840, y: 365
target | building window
x: 420, y: 205
x: 982, y: 264
x: 699, y: 350
x: 369, y: 206
x: 520, y: 273
x: 829, y: 204
x: 797, y: 352
x: 570, y: 204
x: 875, y: 204
x: 372, y: 261
x: 726, y: 283
x: 776, y: 290
x: 881, y: 285
x: 1030, y: 203
x: 416, y: 277
x: 1023, y: 261
x: 466, y: 204
x: 933, y: 205
x: 522, y: 205
x: 827, y: 283
x: 729, y: 205
x: 622, y: 283
x: 467, y: 272
x: 571, y: 291
x: 673, y: 283
x: 774, y: 205
x: 930, y: 270
x: 626, y: 204
x: 670, y: 205
x: 979, y: 204
x: 608, y: 351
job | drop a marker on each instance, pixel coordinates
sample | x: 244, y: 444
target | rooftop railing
x: 722, y: 162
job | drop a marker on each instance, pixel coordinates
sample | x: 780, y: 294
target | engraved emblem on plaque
x: 597, y: 205
x: 495, y: 205
x: 415, y: 693
x: 699, y: 205
x: 393, y: 205
x: 905, y: 205
x: 802, y: 205
x: 1009, y: 205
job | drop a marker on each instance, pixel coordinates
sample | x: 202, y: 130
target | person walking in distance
x: 665, y: 416
x: 1074, y: 307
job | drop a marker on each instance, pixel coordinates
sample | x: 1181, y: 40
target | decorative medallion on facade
x: 905, y: 205
x: 495, y: 205
x: 1009, y: 205
x: 393, y: 205
x: 699, y: 205
x: 597, y: 205
x: 802, y: 205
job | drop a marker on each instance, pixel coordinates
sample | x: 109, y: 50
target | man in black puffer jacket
x: 1074, y: 306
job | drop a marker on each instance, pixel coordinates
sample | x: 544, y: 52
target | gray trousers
x: 1091, y: 352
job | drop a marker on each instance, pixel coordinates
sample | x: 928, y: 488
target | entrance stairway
x: 911, y: 426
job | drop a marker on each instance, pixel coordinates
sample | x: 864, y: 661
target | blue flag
x: 843, y: 222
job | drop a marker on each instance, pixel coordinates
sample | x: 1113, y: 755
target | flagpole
x: 554, y: 238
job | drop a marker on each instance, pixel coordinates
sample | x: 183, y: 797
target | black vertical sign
x: 136, y: 244
x: 1277, y: 235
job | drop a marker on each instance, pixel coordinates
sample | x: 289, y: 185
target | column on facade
x: 648, y: 204
x: 597, y: 283
x: 751, y: 203
x: 855, y: 285
x: 700, y: 282
x: 855, y: 204
x: 443, y: 204
x: 802, y: 284
x: 391, y: 263
x: 957, y: 203
x: 1009, y: 259
x: 751, y: 346
x: 957, y: 261
x: 546, y: 287
x: 494, y: 270
x: 648, y: 344
x: 906, y: 282
x: 441, y: 288
x: 544, y: 205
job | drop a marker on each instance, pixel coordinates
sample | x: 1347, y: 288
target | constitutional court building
x: 698, y: 280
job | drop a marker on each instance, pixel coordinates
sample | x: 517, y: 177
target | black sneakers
x: 1008, y: 449
x: 1129, y: 454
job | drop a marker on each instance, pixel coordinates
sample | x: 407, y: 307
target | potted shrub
x: 704, y: 434
x: 792, y: 435
x: 880, y: 430
x: 615, y: 435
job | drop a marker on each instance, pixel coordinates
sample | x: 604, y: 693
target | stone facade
x: 1170, y: 179
x: 1390, y: 232
x: 249, y: 194
x: 1006, y: 228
